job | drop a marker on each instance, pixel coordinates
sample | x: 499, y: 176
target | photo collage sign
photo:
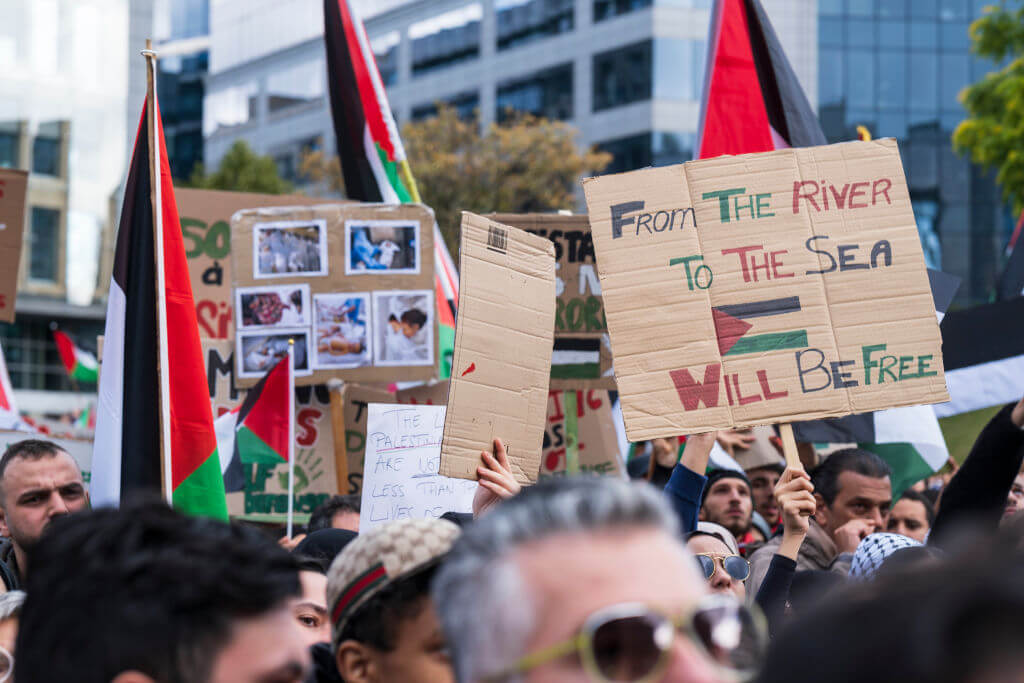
x: 351, y: 284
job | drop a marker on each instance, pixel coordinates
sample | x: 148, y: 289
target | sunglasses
x: 633, y: 642
x: 733, y: 565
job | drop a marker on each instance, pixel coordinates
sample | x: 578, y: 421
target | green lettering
x: 723, y: 200
x: 886, y: 369
x: 922, y: 366
x: 762, y: 207
x: 574, y: 315
x: 590, y: 311
x: 868, y: 363
x: 905, y: 363
x: 559, y: 317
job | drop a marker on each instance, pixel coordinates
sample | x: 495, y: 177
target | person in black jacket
x: 976, y: 498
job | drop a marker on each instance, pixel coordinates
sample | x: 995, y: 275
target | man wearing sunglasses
x: 585, y: 580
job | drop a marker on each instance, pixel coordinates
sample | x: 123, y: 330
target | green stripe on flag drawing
x: 576, y: 371
x: 772, y: 341
x: 254, y: 450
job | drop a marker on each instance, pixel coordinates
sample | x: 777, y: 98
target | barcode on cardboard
x: 497, y: 239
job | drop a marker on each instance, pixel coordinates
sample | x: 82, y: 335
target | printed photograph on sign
x: 272, y: 306
x: 289, y: 249
x: 259, y: 351
x: 342, y: 331
x: 403, y: 328
x: 382, y: 247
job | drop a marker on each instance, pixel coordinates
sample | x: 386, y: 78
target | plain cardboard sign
x: 400, y: 481
x: 503, y: 340
x: 582, y: 357
x: 763, y: 288
x: 13, y: 188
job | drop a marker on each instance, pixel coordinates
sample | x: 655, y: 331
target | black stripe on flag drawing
x: 983, y: 355
x: 576, y: 358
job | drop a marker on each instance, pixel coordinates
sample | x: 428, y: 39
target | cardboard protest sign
x: 265, y: 497
x: 13, y: 189
x: 579, y: 436
x: 352, y: 284
x: 503, y: 340
x: 582, y: 355
x: 356, y: 399
x: 765, y: 288
x: 206, y: 231
x: 403, y: 453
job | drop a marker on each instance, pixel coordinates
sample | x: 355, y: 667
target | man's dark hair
x: 826, y: 475
x: 30, y: 449
x: 376, y: 622
x: 414, y: 316
x: 929, y: 509
x: 323, y: 513
x: 146, y: 589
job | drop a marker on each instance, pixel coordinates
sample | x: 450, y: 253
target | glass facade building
x: 896, y: 67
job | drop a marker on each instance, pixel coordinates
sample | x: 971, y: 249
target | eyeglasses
x: 734, y: 565
x: 633, y: 642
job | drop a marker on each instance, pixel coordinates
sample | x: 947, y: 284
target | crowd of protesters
x: 691, y: 572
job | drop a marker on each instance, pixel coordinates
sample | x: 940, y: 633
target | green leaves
x: 242, y: 170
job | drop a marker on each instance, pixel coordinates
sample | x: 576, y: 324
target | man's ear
x: 701, y: 516
x: 356, y: 662
x: 132, y: 677
x: 821, y: 511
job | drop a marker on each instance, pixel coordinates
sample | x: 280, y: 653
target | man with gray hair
x: 586, y: 579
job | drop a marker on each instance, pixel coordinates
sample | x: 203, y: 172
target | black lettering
x: 820, y: 253
x: 619, y: 219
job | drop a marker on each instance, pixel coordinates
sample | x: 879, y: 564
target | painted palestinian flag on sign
x: 370, y: 149
x: 79, y: 363
x: 128, y: 425
x: 752, y: 99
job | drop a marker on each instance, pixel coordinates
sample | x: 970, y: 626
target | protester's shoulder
x: 766, y: 551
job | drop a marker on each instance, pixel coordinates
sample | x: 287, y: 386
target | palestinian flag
x: 10, y: 417
x: 370, y: 150
x: 87, y: 418
x: 258, y: 431
x: 752, y: 99
x: 127, y: 454
x: 909, y: 439
x: 576, y: 358
x: 983, y: 355
x: 80, y: 364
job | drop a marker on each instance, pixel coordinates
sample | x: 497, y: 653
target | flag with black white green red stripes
x: 80, y: 364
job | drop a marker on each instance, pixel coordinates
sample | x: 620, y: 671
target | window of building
x: 44, y: 240
x: 660, y: 148
x: 295, y: 85
x: 232, y: 106
x: 623, y: 76
x: 524, y: 21
x: 8, y: 145
x: 31, y: 354
x: 465, y: 105
x: 678, y: 68
x: 46, y: 149
x: 447, y: 39
x: 385, y: 53
x: 547, y: 93
x: 605, y: 9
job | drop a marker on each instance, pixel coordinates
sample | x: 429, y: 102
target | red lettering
x: 875, y: 191
x: 691, y: 392
x: 762, y: 377
x: 776, y: 264
x: 840, y: 198
x: 206, y: 314
x: 306, y: 421
x: 593, y: 401
x: 558, y: 414
x: 744, y: 400
x: 3, y: 301
x: 854, y: 191
x: 798, y: 186
x: 742, y: 253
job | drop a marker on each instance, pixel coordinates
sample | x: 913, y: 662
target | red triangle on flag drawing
x: 728, y: 329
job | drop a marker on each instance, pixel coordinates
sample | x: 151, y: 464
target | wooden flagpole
x: 166, y: 484
x: 291, y: 436
x: 789, y: 446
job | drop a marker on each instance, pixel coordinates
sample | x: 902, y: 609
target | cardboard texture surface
x: 403, y: 449
x: 13, y: 189
x: 763, y: 288
x: 582, y: 355
x: 206, y: 230
x: 591, y: 434
x: 375, y: 288
x: 265, y: 496
x: 356, y: 400
x: 503, y: 341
